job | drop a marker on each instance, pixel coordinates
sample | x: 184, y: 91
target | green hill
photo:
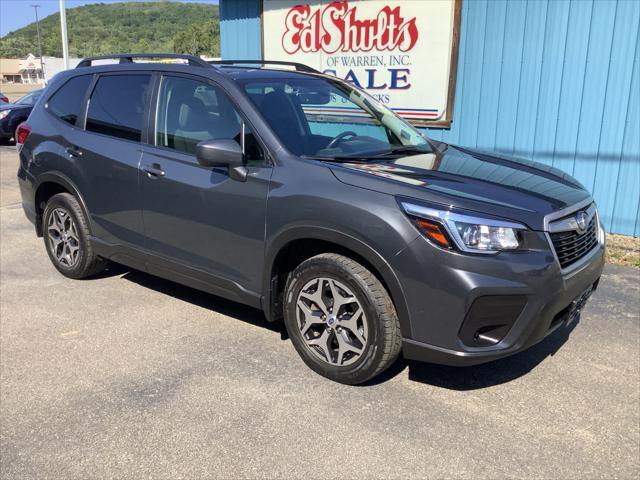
x: 123, y: 27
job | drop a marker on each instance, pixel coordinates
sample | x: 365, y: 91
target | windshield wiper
x: 341, y: 158
x: 368, y: 157
x: 406, y: 149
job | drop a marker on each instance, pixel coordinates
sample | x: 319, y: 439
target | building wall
x: 240, y: 36
x: 55, y: 65
x: 556, y: 81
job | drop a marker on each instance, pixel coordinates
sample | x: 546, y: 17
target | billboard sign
x: 401, y: 52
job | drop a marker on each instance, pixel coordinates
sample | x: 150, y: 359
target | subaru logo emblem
x: 581, y: 221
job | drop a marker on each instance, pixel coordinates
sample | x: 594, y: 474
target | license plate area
x: 572, y: 311
x: 576, y: 306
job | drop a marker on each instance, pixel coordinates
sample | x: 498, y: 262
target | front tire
x: 67, y: 238
x: 341, y: 319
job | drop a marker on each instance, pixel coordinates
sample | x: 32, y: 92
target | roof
x: 236, y: 69
x: 233, y: 73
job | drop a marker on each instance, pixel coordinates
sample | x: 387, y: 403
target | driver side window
x: 190, y: 111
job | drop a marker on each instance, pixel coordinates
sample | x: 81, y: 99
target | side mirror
x: 224, y: 152
x: 219, y: 153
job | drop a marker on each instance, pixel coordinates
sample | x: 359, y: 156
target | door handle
x: 154, y: 170
x: 73, y: 152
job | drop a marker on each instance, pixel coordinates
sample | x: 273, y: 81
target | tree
x: 120, y: 27
x: 199, y: 39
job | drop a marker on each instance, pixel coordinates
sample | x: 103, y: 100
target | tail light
x: 4, y: 99
x: 22, y: 133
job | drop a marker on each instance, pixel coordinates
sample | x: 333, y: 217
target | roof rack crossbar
x: 298, y: 66
x: 128, y: 58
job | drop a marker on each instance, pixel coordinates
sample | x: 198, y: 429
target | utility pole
x: 63, y: 30
x: 35, y: 7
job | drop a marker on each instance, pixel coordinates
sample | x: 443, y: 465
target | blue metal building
x: 556, y: 81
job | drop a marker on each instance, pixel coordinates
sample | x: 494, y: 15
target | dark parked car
x: 13, y: 114
x: 296, y: 193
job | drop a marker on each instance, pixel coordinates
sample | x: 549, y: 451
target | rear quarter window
x: 67, y: 102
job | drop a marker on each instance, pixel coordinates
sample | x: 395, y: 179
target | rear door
x: 110, y: 150
x: 198, y: 221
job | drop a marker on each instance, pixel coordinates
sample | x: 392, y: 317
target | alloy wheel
x: 62, y: 234
x: 332, y: 321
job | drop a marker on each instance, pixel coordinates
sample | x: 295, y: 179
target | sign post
x: 63, y: 30
x: 402, y: 52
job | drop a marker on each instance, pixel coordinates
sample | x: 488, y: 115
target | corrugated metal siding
x: 555, y: 81
x: 240, y: 36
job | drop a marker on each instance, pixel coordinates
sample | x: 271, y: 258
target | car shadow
x: 202, y: 299
x: 452, y: 378
x: 481, y: 376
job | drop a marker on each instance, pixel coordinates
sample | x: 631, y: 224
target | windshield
x: 319, y: 117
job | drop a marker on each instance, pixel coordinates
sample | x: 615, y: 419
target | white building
x: 28, y: 70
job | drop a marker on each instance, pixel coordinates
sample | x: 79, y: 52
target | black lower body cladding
x: 490, y: 318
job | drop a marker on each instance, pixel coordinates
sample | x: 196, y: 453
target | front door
x: 199, y: 223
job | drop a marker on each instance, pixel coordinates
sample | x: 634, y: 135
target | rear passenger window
x: 117, y: 106
x: 66, y: 103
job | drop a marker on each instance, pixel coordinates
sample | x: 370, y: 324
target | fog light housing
x: 490, y: 319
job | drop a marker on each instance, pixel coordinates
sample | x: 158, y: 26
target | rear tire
x: 353, y: 342
x: 67, y: 238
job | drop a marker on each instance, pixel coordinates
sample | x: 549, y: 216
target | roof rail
x: 300, y: 67
x: 128, y: 58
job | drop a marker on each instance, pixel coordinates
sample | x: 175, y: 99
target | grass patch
x: 623, y: 250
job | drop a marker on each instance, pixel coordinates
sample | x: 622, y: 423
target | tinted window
x: 190, y: 111
x: 66, y: 103
x: 117, y: 106
x: 253, y: 153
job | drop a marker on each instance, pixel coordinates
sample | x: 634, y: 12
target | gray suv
x: 294, y: 192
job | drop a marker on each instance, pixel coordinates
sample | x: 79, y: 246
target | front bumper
x: 441, y: 300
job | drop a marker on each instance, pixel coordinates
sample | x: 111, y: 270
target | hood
x: 500, y: 186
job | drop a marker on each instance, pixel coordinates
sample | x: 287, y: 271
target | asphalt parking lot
x: 129, y: 376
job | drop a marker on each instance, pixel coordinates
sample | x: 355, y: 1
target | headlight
x: 4, y: 113
x: 468, y: 233
x: 487, y: 237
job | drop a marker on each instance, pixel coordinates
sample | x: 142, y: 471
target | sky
x: 15, y: 14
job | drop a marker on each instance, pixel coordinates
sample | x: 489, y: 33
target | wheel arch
x: 295, y: 245
x: 52, y: 183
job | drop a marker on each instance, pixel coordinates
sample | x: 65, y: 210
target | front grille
x: 572, y: 246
